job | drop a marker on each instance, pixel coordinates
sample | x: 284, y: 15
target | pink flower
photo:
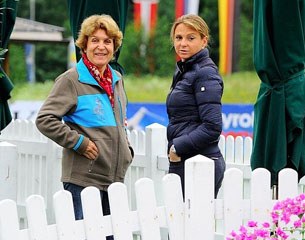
x: 252, y: 224
x: 287, y: 218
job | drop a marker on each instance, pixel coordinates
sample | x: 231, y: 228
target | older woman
x: 91, y: 101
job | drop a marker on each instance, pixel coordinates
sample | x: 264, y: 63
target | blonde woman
x: 194, y: 101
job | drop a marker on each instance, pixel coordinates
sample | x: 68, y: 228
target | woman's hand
x: 173, y: 157
x: 91, y: 151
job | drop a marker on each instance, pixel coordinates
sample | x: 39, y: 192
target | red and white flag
x: 145, y: 14
x: 186, y: 7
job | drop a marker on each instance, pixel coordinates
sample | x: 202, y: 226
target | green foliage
x: 151, y: 54
x: 31, y: 91
x: 2, y: 53
x: 23, y: 9
x: 53, y: 12
x: 132, y: 56
x: 51, y: 63
x: 160, y: 53
x: 17, y: 67
x: 155, y: 54
x: 166, y: 8
x: 246, y: 37
x: 143, y: 55
x: 208, y: 10
x: 50, y: 58
x: 241, y: 87
x: 147, y: 88
x: 139, y: 55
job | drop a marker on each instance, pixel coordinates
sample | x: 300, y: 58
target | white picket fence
x: 31, y: 163
x: 194, y: 218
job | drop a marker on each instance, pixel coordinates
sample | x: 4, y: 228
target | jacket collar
x: 84, y: 75
x: 203, y: 53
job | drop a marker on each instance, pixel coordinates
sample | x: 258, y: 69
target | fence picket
x: 141, y: 141
x: 94, y: 222
x: 8, y: 170
x: 239, y: 150
x: 120, y: 213
x: 233, y: 199
x: 37, y: 218
x: 147, y: 209
x: 247, y: 150
x: 173, y: 200
x: 261, y: 202
x: 133, y: 139
x: 65, y: 218
x: 36, y: 151
x: 288, y: 182
x: 193, y: 218
x: 229, y: 155
x: 9, y: 227
x: 36, y: 155
x: 199, y: 198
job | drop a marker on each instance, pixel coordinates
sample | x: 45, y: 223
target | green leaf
x: 2, y: 52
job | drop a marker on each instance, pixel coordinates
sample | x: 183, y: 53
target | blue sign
x: 237, y: 118
x: 140, y: 115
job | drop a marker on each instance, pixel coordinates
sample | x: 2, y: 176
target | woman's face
x: 187, y: 41
x: 100, y: 49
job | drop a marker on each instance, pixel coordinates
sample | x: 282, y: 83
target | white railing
x: 194, y: 218
x: 37, y: 166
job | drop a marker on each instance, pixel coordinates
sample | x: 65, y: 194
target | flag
x: 145, y: 15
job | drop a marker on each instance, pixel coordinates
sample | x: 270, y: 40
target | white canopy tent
x: 26, y: 30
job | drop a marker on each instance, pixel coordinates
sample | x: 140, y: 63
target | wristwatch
x: 173, y: 149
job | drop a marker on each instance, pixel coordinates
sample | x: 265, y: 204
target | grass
x: 239, y: 87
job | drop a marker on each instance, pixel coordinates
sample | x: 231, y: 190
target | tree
x: 140, y: 55
x: 50, y: 58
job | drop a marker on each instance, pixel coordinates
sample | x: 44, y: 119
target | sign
x: 237, y: 118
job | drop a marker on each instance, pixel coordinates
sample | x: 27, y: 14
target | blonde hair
x: 95, y: 22
x: 193, y: 21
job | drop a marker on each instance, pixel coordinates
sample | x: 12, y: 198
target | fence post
x: 8, y: 171
x: 155, y: 145
x: 199, y: 198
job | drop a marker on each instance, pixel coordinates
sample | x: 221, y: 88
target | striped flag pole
x: 179, y: 8
x: 137, y: 15
x: 153, y: 16
x: 192, y: 6
x: 229, y: 45
x: 226, y: 34
x: 186, y: 7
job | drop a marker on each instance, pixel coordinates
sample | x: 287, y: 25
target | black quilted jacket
x: 194, y: 107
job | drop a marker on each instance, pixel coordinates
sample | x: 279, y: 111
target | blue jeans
x: 75, y: 190
x: 220, y: 166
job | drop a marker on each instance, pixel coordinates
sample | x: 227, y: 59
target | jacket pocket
x: 104, y: 163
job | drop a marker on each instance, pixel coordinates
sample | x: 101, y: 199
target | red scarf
x: 104, y: 81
